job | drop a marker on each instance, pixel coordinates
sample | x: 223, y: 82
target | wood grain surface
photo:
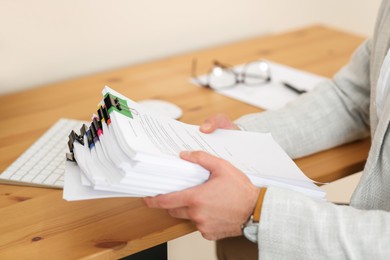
x: 36, y: 223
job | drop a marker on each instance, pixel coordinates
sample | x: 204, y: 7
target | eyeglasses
x: 223, y: 76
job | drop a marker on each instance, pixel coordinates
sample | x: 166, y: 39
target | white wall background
x: 44, y: 41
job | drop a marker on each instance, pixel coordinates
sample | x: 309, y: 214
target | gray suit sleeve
x: 293, y: 226
x: 334, y: 113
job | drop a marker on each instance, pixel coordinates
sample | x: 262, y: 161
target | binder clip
x: 72, y: 138
x: 70, y: 157
x: 105, y: 115
x: 112, y: 101
x: 94, y: 135
x: 83, y: 130
x: 91, y: 144
x: 100, y: 114
x: 97, y: 126
x: 115, y: 103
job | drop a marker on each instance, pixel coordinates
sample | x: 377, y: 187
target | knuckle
x: 198, y: 156
x: 195, y: 216
x: 173, y: 213
x: 154, y: 202
x: 195, y: 202
x: 201, y: 155
x: 197, y: 153
x: 162, y: 202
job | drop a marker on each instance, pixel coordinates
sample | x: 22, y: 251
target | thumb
x: 217, y: 121
x: 206, y: 160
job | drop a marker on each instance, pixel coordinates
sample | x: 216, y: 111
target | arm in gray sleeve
x: 335, y: 112
x: 293, y: 226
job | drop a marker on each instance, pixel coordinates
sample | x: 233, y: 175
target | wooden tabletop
x: 37, y: 222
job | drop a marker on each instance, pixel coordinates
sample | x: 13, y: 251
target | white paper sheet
x: 272, y: 95
x: 75, y: 190
x: 139, y: 156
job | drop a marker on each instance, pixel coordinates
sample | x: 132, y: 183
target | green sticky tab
x: 115, y: 103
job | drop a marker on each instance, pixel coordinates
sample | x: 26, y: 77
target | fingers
x: 206, y: 160
x: 215, y: 122
x: 169, y: 201
x: 179, y: 213
x: 184, y: 198
x: 209, y: 125
x: 207, y: 128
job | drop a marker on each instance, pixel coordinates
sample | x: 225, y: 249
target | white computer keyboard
x: 43, y: 163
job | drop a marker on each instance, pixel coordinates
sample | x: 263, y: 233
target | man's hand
x: 219, y: 206
x: 217, y: 121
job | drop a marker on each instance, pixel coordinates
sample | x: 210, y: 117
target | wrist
x: 250, y: 228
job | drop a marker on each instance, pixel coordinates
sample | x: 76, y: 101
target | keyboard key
x: 51, y: 179
x: 15, y: 177
x: 44, y: 161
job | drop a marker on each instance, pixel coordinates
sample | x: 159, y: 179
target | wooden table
x: 37, y: 223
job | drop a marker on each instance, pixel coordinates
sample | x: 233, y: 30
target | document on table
x: 136, y: 153
x: 272, y: 95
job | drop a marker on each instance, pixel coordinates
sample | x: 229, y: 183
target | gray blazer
x: 338, y: 111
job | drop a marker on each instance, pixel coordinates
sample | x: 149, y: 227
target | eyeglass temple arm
x: 193, y: 68
x: 195, y: 75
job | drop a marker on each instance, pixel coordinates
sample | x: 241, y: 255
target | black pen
x: 296, y: 90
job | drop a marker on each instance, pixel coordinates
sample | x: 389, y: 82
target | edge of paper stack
x: 128, y: 151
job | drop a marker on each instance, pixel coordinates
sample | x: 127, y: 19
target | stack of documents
x: 129, y: 151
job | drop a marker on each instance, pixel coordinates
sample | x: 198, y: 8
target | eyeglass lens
x: 253, y: 73
x: 222, y: 78
x: 256, y: 73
